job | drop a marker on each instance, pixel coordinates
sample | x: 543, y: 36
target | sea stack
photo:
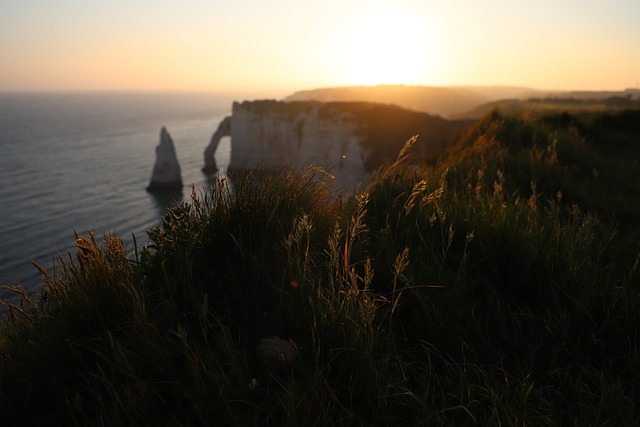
x: 166, y: 171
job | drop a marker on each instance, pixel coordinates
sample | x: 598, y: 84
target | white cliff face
x: 166, y: 171
x: 347, y: 139
x: 267, y: 134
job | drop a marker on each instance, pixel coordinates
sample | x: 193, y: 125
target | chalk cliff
x: 166, y: 170
x: 268, y: 133
x: 347, y: 139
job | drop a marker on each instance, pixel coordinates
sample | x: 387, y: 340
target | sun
x: 385, y: 45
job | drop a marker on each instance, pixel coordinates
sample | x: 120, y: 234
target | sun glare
x: 385, y: 45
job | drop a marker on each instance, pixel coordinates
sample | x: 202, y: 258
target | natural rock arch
x: 224, y: 129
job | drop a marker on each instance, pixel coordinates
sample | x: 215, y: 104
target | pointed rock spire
x: 166, y: 171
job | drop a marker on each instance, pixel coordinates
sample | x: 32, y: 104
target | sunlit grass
x: 486, y: 288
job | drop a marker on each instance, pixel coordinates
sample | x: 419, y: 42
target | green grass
x: 496, y: 286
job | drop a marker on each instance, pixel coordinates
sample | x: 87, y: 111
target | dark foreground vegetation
x: 499, y: 285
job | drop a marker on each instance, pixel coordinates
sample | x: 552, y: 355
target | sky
x: 279, y: 46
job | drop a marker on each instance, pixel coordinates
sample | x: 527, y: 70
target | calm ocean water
x: 82, y: 162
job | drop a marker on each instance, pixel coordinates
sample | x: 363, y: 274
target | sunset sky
x: 278, y: 46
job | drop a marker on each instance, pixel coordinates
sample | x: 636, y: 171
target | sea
x: 75, y: 162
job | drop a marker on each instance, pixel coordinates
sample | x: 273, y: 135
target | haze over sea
x: 82, y: 161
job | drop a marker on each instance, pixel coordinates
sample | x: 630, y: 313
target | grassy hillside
x: 438, y: 100
x: 499, y: 285
x: 466, y: 101
x: 578, y: 105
